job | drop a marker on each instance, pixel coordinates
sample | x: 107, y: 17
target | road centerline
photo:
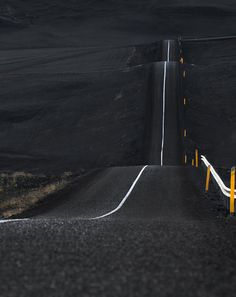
x: 163, y: 112
x: 125, y: 198
x: 168, y: 51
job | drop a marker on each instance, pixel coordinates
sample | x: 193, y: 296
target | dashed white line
x: 163, y: 113
x: 125, y: 198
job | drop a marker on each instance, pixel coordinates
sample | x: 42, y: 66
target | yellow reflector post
x: 196, y: 157
x: 192, y: 162
x: 208, y: 178
x: 232, y: 188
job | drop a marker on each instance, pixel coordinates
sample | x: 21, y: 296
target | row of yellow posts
x: 208, y: 175
x: 232, y: 187
x: 195, y: 161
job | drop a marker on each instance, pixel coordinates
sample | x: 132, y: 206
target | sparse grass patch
x: 21, y: 191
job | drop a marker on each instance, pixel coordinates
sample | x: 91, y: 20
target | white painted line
x: 163, y: 113
x: 168, y: 51
x: 12, y: 220
x: 125, y: 198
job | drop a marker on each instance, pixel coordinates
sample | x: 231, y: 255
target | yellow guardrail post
x: 192, y: 162
x: 208, y: 178
x: 196, y: 157
x: 232, y: 188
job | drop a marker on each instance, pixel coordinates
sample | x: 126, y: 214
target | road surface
x: 165, y: 240
x: 163, y: 131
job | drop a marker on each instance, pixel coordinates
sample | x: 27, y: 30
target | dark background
x: 210, y: 88
x: 74, y: 80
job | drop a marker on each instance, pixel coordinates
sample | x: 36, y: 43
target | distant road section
x: 163, y: 134
x: 169, y: 50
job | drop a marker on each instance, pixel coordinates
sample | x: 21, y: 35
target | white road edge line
x: 125, y: 198
x: 163, y: 113
x: 12, y: 220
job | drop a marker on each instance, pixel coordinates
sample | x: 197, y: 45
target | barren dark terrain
x: 98, y: 113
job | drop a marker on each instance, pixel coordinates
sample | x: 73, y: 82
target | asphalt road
x: 163, y: 133
x: 170, y: 50
x: 164, y: 241
x: 163, y: 129
x: 101, y: 192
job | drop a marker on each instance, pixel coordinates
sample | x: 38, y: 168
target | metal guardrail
x: 228, y: 192
x: 225, y: 190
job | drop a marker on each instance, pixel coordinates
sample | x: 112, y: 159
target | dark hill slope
x: 82, y: 23
x: 72, y: 121
x: 211, y: 119
x: 210, y: 51
x: 54, y: 116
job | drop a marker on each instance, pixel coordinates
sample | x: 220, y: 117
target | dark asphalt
x: 91, y: 196
x: 166, y: 193
x: 164, y: 241
x: 119, y: 258
x: 99, y: 193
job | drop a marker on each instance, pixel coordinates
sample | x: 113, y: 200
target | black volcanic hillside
x: 210, y: 88
x: 71, y: 23
x: 64, y: 59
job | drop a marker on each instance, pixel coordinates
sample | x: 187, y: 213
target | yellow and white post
x: 232, y: 188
